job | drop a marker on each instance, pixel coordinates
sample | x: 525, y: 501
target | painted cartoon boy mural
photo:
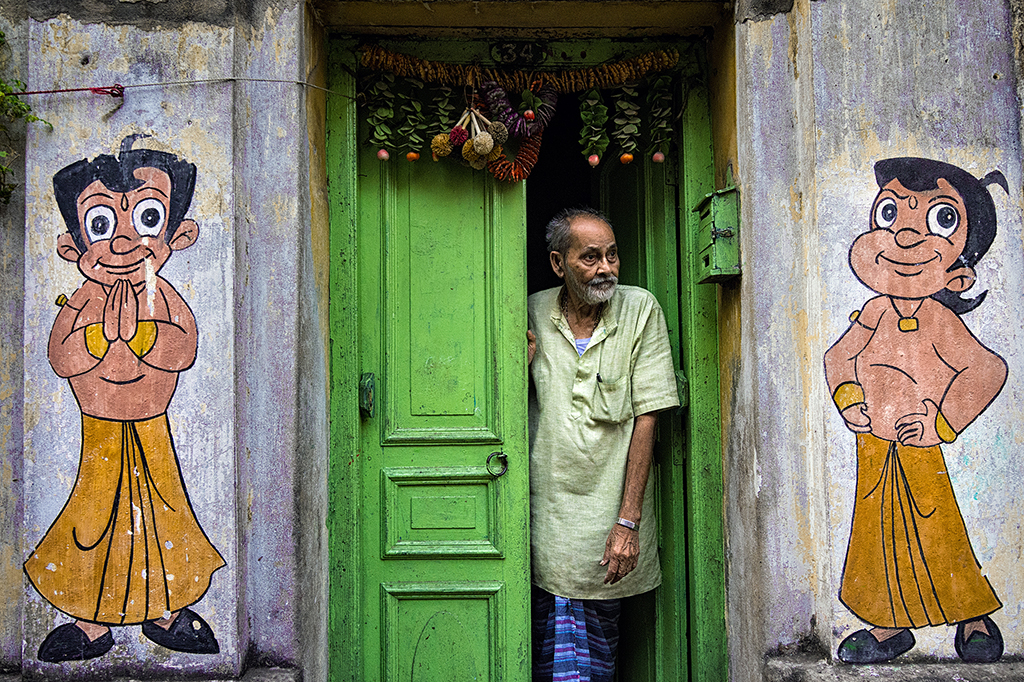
x: 907, y: 376
x: 126, y: 548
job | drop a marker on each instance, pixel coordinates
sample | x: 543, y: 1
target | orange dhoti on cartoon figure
x: 127, y: 547
x: 910, y: 561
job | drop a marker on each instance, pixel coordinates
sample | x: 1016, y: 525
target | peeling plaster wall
x: 13, y: 65
x: 254, y: 404
x: 314, y: 337
x: 193, y: 121
x: 823, y: 92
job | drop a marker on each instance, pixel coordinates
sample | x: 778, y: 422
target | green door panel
x: 444, y: 569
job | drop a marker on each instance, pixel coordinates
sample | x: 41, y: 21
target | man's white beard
x: 598, y: 290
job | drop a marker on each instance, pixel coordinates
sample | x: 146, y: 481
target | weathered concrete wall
x: 314, y: 396
x: 13, y: 65
x: 253, y: 282
x: 824, y: 92
x: 777, y: 533
x: 193, y: 121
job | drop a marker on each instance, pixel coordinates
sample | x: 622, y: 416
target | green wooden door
x: 428, y: 550
x: 444, y: 568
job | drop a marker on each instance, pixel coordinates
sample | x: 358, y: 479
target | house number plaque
x: 518, y: 53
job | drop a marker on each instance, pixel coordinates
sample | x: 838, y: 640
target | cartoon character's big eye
x: 148, y: 217
x: 943, y: 220
x: 100, y: 222
x: 885, y: 213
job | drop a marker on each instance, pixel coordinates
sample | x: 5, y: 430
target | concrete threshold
x: 808, y: 668
x: 250, y: 675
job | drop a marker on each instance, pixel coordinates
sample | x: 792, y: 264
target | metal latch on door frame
x: 367, y: 389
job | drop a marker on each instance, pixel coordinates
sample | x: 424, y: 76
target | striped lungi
x: 574, y: 640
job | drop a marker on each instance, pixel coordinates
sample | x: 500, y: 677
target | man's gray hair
x: 558, y: 230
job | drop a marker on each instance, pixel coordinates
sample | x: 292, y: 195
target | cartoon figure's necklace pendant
x: 908, y: 324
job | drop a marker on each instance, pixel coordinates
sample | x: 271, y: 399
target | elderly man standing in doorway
x: 601, y: 369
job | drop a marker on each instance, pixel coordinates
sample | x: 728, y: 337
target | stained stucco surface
x: 825, y: 91
x: 936, y: 84
x: 194, y: 122
x: 13, y: 64
x: 234, y: 415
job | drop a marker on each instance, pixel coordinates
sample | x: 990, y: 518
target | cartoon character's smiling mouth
x: 122, y: 269
x: 901, y: 264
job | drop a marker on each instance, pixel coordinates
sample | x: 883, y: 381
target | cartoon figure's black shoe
x: 979, y: 648
x: 70, y: 643
x: 188, y: 633
x: 862, y: 647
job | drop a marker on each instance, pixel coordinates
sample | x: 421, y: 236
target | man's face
x: 591, y: 265
x: 914, y: 239
x: 125, y: 231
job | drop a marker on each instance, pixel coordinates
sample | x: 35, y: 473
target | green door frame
x: 705, y: 487
x: 703, y: 623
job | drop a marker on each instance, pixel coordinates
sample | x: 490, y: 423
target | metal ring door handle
x: 504, y: 463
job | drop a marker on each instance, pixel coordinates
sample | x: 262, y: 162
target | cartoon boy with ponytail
x: 908, y: 376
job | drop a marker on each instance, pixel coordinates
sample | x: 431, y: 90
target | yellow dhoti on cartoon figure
x: 127, y: 547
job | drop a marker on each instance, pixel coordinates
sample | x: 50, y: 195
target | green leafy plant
x: 444, y: 113
x: 12, y: 109
x: 659, y: 99
x: 412, y: 129
x: 626, y: 119
x: 380, y: 107
x: 594, y: 115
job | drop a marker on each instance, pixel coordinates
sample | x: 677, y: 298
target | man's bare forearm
x: 638, y: 466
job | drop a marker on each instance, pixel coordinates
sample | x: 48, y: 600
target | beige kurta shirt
x: 581, y: 422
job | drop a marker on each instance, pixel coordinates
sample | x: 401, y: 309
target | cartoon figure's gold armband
x: 945, y: 431
x: 849, y: 393
x: 95, y: 342
x: 145, y: 337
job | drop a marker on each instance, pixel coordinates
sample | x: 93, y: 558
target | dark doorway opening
x: 561, y: 179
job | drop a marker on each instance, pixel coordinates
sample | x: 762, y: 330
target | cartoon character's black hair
x: 920, y: 175
x: 118, y: 175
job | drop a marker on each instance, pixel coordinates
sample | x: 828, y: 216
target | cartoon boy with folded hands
x: 126, y: 548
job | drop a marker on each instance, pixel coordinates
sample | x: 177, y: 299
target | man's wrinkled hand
x: 621, y: 553
x: 531, y: 346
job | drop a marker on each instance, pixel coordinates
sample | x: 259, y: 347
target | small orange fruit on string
x: 383, y: 155
x: 412, y: 156
x: 626, y: 158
